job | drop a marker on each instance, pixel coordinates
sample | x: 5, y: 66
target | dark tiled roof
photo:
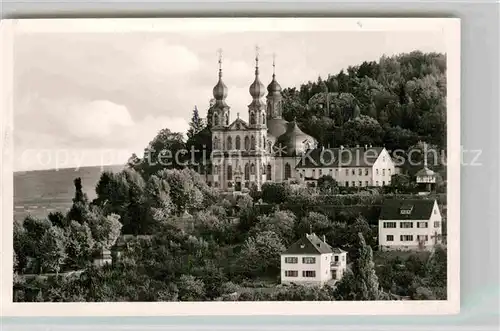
x: 343, y: 157
x: 309, y: 244
x: 421, y: 209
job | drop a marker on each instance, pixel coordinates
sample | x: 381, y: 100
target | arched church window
x: 229, y: 172
x: 269, y: 147
x: 252, y: 169
x: 216, y: 119
x: 247, y: 143
x: 227, y: 119
x: 238, y: 143
x: 288, y: 171
x: 252, y: 143
x: 247, y: 171
x: 216, y: 143
x: 263, y: 118
x: 268, y: 172
x: 229, y: 143
x: 264, y: 143
x: 216, y: 170
x: 252, y: 118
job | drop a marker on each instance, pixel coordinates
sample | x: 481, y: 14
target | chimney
x: 324, y: 239
x: 366, y: 147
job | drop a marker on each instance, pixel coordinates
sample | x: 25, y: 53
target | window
x: 252, y: 143
x: 383, y: 183
x: 291, y: 273
x: 406, y: 209
x: 360, y: 183
x: 252, y: 169
x: 383, y: 172
x: 229, y: 143
x: 288, y: 171
x: 330, y: 172
x: 389, y: 171
x: 216, y: 170
x: 435, y: 211
x: 291, y: 260
x: 268, y: 172
x: 336, y: 259
x: 314, y: 173
x: 247, y: 143
x: 353, y: 183
x: 347, y: 172
x: 390, y: 237
x: 366, y: 183
x: 353, y: 172
x: 309, y: 260
x: 437, y: 224
x: 376, y: 183
x: 406, y: 225
x: 377, y: 171
x: 309, y: 273
x: 216, y: 184
x: 320, y: 172
x: 366, y: 172
x: 360, y: 171
x: 389, y: 225
x: 406, y: 237
x: 216, y: 119
x: 263, y: 118
x: 421, y: 225
x: 247, y: 171
x: 229, y: 172
x: 383, y: 159
x: 346, y: 183
x: 238, y: 143
x: 216, y: 143
x: 422, y: 238
x: 252, y: 118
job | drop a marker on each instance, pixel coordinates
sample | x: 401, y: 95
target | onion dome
x: 257, y: 89
x: 294, y: 141
x: 274, y: 87
x: 220, y: 90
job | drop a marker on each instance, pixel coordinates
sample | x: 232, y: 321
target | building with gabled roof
x: 413, y: 224
x: 313, y: 261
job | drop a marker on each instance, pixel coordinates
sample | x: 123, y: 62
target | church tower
x: 257, y: 109
x: 274, y: 98
x: 220, y: 115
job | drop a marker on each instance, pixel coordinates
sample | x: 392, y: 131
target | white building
x: 349, y: 166
x: 311, y: 260
x: 409, y: 224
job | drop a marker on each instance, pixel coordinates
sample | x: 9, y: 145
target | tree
x: 53, y: 250
x: 158, y: 199
x: 58, y: 219
x: 280, y: 222
x: 327, y: 184
x: 80, y: 203
x: 315, y: 222
x: 166, y: 151
x: 363, y: 130
x: 105, y: 229
x: 183, y: 191
x: 362, y: 283
x: 260, y: 254
x: 190, y: 288
x: 196, y: 124
x: 401, y: 183
x: 275, y: 193
x: 80, y: 245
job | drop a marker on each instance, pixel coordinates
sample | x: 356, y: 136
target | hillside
x: 42, y: 191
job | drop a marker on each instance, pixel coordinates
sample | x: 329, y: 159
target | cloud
x: 161, y: 58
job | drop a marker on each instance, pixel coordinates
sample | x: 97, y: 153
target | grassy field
x: 40, y: 192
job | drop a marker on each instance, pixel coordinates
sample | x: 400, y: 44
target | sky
x: 85, y: 99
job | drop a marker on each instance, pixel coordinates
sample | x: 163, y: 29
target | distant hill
x: 42, y: 191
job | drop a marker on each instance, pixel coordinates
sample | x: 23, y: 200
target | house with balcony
x: 409, y: 224
x: 312, y: 261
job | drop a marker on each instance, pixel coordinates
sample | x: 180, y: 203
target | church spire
x: 274, y: 96
x: 257, y: 88
x: 220, y: 90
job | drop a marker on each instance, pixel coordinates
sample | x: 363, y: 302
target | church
x: 267, y: 148
x: 270, y: 149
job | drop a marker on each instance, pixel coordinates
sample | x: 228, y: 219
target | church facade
x: 267, y: 148
x: 270, y: 149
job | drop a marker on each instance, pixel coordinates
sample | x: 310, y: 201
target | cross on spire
x: 219, y: 54
x: 274, y: 64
